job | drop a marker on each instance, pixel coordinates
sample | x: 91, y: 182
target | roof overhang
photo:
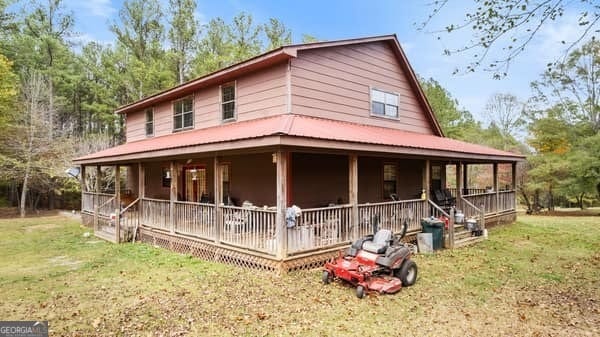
x: 300, y: 132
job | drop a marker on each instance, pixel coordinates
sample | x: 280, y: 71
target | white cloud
x: 549, y: 41
x: 99, y: 8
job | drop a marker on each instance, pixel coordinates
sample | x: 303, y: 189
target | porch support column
x: 218, y: 188
x: 353, y: 192
x: 281, y: 186
x: 141, y: 181
x: 96, y: 198
x: 426, y: 186
x: 459, y: 184
x: 82, y: 179
x: 495, y: 172
x: 173, y: 196
x: 514, y: 176
x: 118, y: 202
x: 465, y: 179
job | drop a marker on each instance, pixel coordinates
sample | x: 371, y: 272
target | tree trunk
x: 24, y: 190
x: 580, y: 200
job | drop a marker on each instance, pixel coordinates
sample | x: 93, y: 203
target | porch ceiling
x: 296, y: 130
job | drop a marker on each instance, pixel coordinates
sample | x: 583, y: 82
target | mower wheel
x: 360, y: 292
x: 407, y: 273
x: 325, y: 277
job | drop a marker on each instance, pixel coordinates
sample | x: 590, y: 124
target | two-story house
x: 340, y: 129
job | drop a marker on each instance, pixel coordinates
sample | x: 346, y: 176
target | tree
x: 215, y: 50
x: 139, y: 36
x: 47, y: 27
x: 454, y: 122
x: 245, y: 37
x: 510, y: 26
x: 574, y: 85
x: 306, y: 38
x: 505, y: 112
x: 277, y: 34
x: 8, y: 93
x: 183, y: 35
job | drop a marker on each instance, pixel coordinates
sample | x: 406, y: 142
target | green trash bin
x: 436, y: 228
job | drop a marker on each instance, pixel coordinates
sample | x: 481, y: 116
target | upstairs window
x: 228, y: 101
x: 183, y: 114
x: 384, y: 103
x: 389, y: 180
x: 149, y: 122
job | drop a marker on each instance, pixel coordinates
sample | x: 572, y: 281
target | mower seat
x: 380, y: 242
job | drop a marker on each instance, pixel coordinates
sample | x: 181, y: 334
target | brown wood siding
x: 335, y: 82
x: 252, y: 178
x: 258, y: 94
x: 319, y: 180
x: 370, y: 178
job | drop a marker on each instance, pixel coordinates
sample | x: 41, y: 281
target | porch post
x: 353, y: 192
x: 466, y: 178
x: 427, y: 178
x: 96, y: 198
x: 281, y: 230
x: 173, y: 196
x: 459, y: 185
x: 118, y: 202
x: 495, y: 169
x: 514, y: 176
x: 141, y: 181
x: 82, y: 179
x: 218, y: 186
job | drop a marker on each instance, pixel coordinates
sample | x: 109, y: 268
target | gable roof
x: 298, y: 130
x: 279, y: 55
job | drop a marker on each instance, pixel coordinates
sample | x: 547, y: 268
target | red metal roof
x: 301, y: 127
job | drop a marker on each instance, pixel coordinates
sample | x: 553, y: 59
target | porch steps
x: 463, y: 237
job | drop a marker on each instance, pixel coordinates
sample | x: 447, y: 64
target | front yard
x: 537, y: 277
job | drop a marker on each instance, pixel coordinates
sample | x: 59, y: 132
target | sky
x: 332, y: 20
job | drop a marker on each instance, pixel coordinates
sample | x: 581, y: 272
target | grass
x: 537, y: 277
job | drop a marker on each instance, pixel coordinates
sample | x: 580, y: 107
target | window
x: 384, y: 103
x: 225, y: 183
x: 389, y: 180
x: 183, y: 114
x: 149, y: 122
x: 228, y: 101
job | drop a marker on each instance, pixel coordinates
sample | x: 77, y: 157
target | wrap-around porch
x: 235, y: 204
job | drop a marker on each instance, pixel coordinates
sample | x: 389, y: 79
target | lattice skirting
x: 207, y: 251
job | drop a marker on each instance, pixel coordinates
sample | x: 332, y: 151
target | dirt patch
x: 13, y: 212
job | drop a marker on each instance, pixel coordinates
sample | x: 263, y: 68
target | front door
x: 194, y: 183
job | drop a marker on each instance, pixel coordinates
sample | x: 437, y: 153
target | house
x: 341, y: 129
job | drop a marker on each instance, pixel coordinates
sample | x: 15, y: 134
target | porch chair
x: 449, y: 198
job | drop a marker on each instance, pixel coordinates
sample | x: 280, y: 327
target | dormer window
x: 149, y: 122
x: 183, y: 114
x: 384, y: 103
x: 228, y: 101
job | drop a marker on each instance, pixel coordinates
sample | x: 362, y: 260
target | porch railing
x: 320, y: 227
x: 87, y: 202
x: 391, y: 215
x: 469, y: 209
x: 156, y: 213
x: 250, y: 228
x: 506, y: 201
x: 483, y: 201
x: 195, y: 219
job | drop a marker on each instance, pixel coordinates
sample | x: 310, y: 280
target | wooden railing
x: 506, y: 201
x: 437, y: 211
x: 195, y: 219
x: 156, y: 213
x: 320, y: 227
x: 129, y: 220
x: 250, y: 228
x: 469, y: 209
x: 483, y: 201
x: 87, y: 202
x: 391, y: 215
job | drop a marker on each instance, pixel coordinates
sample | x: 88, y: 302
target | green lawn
x: 537, y: 277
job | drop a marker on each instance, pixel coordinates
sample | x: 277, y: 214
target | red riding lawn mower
x: 377, y: 262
